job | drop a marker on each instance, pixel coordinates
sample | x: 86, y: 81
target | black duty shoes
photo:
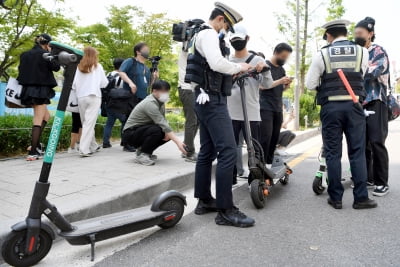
x: 335, y: 204
x: 381, y: 190
x: 234, y: 217
x: 204, y: 207
x: 366, y: 204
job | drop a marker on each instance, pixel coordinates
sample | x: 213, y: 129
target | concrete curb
x: 134, y: 196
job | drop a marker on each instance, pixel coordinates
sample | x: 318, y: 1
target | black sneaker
x: 381, y: 190
x: 335, y: 204
x: 128, y: 148
x: 107, y: 145
x: 234, y: 217
x: 370, y: 184
x: 366, y: 204
x: 204, y: 207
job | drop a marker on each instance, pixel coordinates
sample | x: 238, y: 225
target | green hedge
x: 307, y: 107
x: 15, y: 132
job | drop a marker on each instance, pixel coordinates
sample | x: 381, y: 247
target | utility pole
x: 297, y: 88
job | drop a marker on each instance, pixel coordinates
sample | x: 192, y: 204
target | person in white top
x: 89, y: 78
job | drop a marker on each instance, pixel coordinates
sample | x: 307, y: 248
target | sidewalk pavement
x: 107, y: 182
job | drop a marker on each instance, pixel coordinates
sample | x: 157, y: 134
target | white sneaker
x: 72, y: 150
x: 144, y: 159
x: 281, y: 152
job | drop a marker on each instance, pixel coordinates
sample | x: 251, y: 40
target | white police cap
x: 231, y: 15
x: 339, y: 23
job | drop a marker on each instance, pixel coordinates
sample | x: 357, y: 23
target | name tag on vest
x: 340, y: 51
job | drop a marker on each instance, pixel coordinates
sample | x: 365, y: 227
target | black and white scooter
x: 260, y: 179
x: 30, y: 240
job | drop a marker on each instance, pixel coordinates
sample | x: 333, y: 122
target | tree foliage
x: 287, y: 27
x: 20, y: 25
x: 126, y: 26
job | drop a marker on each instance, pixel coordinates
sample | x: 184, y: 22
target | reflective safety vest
x: 198, y: 70
x: 343, y: 55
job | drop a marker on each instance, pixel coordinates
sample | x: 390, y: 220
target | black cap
x: 43, y: 38
x: 368, y: 23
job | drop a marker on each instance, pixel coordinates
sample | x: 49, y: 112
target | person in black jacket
x: 37, y: 80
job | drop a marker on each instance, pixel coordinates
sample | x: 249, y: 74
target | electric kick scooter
x: 30, y: 240
x: 260, y: 179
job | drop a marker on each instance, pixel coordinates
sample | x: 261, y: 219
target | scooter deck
x: 113, y: 225
x: 280, y: 172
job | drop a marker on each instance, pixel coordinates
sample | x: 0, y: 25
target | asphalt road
x: 296, y: 228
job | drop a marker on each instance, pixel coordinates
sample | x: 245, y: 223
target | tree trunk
x: 304, y: 49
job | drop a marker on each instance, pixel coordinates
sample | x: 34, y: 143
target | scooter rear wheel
x: 172, y: 204
x: 317, y: 186
x: 257, y: 194
x: 13, y: 249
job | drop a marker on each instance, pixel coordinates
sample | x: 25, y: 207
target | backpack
x: 112, y: 83
x: 105, y: 92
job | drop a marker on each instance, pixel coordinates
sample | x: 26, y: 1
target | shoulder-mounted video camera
x: 184, y: 31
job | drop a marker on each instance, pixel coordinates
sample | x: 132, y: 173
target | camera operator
x: 207, y: 70
x: 135, y: 74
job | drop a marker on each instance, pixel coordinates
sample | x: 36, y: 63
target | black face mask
x: 360, y: 41
x: 239, y: 45
x: 145, y: 54
x: 280, y: 62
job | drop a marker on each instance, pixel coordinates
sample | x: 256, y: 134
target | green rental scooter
x: 30, y: 240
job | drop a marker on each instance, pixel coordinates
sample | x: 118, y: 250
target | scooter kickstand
x: 92, y: 243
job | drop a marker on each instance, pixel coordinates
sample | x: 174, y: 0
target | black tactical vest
x: 198, y: 71
x: 343, y: 55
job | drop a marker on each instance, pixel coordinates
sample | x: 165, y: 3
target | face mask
x: 239, y: 45
x: 280, y: 62
x: 360, y: 41
x: 164, y: 97
x: 145, y: 54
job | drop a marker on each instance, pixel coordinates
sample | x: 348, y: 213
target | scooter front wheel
x: 13, y: 249
x: 317, y: 186
x: 257, y: 193
x: 172, y: 204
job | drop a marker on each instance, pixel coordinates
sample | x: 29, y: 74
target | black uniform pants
x: 271, y: 123
x: 337, y: 118
x: 376, y: 152
x: 217, y: 141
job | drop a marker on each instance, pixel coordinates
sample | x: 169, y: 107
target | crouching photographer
x: 147, y: 128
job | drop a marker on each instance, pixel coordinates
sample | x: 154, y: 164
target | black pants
x: 376, y: 152
x: 271, y: 123
x: 285, y: 138
x: 191, y: 122
x: 239, y: 127
x: 147, y: 137
x: 337, y: 118
x: 217, y: 141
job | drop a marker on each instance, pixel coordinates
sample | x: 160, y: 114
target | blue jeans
x: 112, y: 116
x: 217, y: 141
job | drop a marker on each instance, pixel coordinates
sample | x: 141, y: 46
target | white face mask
x: 164, y: 97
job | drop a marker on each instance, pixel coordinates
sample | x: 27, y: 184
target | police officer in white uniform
x: 339, y: 114
x: 210, y: 73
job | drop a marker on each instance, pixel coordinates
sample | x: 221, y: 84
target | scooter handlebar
x: 251, y: 73
x: 63, y: 57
